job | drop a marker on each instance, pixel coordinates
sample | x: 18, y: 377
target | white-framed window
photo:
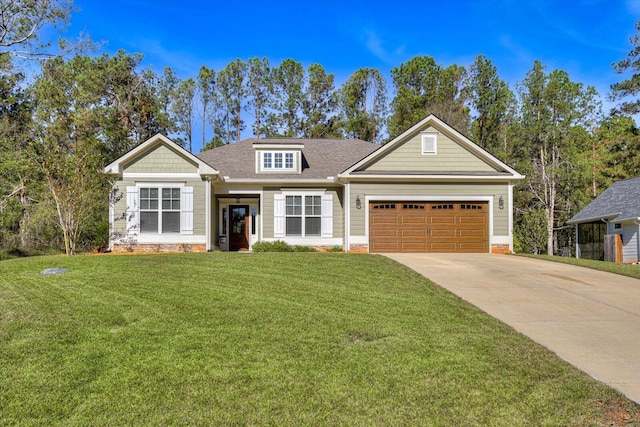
x: 159, y: 209
x: 303, y: 214
x: 266, y: 161
x: 278, y: 160
x: 429, y: 143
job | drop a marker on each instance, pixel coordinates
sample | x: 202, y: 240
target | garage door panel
x: 442, y: 233
x: 442, y: 220
x: 415, y: 232
x: 429, y: 227
x: 442, y: 247
x: 385, y: 232
x: 479, y: 233
x: 410, y: 219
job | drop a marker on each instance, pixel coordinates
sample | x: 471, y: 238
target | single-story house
x: 430, y: 189
x: 615, y: 211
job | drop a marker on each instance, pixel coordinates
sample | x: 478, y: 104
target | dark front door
x: 239, y: 225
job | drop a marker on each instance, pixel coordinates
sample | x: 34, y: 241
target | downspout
x: 577, y: 242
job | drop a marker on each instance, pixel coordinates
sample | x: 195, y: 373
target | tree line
x: 81, y: 111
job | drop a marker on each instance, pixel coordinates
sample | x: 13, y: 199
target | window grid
x: 303, y: 222
x: 163, y: 217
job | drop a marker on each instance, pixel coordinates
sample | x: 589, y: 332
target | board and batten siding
x: 450, y: 157
x: 630, y: 243
x: 432, y: 191
x: 160, y: 159
x: 199, y: 201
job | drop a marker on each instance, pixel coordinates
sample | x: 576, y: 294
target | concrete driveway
x: 589, y: 318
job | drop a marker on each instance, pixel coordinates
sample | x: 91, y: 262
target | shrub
x: 276, y: 246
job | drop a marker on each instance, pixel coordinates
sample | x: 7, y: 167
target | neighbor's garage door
x: 428, y: 227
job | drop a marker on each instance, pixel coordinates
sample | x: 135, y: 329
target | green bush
x: 276, y: 246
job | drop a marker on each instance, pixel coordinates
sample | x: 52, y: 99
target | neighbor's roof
x: 322, y: 158
x: 617, y: 203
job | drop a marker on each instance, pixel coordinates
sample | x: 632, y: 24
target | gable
x: 407, y: 156
x: 160, y: 159
x: 431, y: 149
x: 159, y: 155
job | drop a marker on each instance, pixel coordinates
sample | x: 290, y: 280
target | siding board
x: 450, y: 157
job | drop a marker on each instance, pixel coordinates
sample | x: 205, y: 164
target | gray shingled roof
x: 322, y: 157
x: 619, y: 202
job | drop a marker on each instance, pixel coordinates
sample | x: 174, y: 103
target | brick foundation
x: 359, y: 249
x: 159, y: 248
x: 500, y: 249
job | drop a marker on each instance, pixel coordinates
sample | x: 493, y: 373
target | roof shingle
x: 322, y: 157
x: 619, y: 202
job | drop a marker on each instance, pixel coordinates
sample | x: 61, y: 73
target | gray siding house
x: 615, y: 211
x: 429, y: 190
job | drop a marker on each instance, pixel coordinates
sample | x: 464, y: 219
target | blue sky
x: 581, y: 37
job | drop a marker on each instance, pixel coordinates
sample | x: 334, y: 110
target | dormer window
x: 278, y: 160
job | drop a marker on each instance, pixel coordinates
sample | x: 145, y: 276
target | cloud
x: 375, y: 45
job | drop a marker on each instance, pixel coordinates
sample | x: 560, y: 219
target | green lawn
x: 272, y: 338
x: 629, y: 270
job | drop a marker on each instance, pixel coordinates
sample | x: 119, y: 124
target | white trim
x: 282, y: 147
x: 347, y: 216
x: 260, y: 167
x: 170, y: 238
x: 359, y: 240
x: 429, y: 135
x: 510, y: 208
x: 501, y: 240
x: 207, y: 214
x: 136, y: 175
x: 282, y: 181
x: 422, y: 178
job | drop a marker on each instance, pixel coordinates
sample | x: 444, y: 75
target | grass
x: 271, y: 338
x: 629, y: 270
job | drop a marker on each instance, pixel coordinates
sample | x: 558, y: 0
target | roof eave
x: 607, y: 217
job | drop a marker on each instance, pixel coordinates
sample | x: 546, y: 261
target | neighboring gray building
x: 615, y: 211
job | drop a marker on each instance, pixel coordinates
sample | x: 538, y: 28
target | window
x: 266, y: 161
x: 429, y: 143
x: 445, y: 207
x: 159, y: 210
x: 303, y: 222
x: 278, y: 160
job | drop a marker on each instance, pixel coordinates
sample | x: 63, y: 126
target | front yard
x: 272, y: 338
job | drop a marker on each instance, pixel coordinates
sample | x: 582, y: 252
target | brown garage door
x: 428, y: 227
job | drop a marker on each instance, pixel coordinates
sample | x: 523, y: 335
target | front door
x: 239, y: 225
